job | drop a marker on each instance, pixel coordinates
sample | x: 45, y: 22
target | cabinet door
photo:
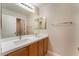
x: 20, y: 52
x: 33, y: 49
x: 40, y: 48
x: 45, y: 46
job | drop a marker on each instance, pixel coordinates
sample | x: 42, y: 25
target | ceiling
x: 14, y: 7
x: 39, y: 4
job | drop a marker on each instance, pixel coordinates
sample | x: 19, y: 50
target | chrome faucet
x: 36, y: 35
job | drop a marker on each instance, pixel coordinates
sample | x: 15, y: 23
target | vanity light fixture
x: 26, y: 6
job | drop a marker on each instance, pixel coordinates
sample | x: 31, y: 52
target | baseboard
x: 50, y: 53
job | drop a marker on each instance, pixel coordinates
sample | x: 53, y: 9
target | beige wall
x: 62, y: 40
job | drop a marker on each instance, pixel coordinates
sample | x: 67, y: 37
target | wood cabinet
x: 45, y: 41
x: 19, y: 52
x: 35, y: 49
x: 40, y: 48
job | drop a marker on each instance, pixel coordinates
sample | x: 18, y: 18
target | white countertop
x: 12, y: 45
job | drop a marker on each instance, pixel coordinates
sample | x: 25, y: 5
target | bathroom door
x: 18, y: 26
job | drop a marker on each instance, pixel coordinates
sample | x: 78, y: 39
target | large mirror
x: 14, y: 20
x: 17, y: 21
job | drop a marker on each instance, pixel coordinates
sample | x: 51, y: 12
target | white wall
x: 62, y: 40
x: 8, y: 26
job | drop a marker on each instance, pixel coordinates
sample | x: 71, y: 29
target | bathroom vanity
x: 38, y: 48
x: 31, y: 47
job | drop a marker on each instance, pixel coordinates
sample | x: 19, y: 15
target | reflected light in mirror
x: 26, y: 6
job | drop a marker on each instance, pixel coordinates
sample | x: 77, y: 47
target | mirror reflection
x: 16, y: 21
x: 41, y: 24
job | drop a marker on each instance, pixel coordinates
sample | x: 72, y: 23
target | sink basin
x: 24, y: 40
x: 21, y: 41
